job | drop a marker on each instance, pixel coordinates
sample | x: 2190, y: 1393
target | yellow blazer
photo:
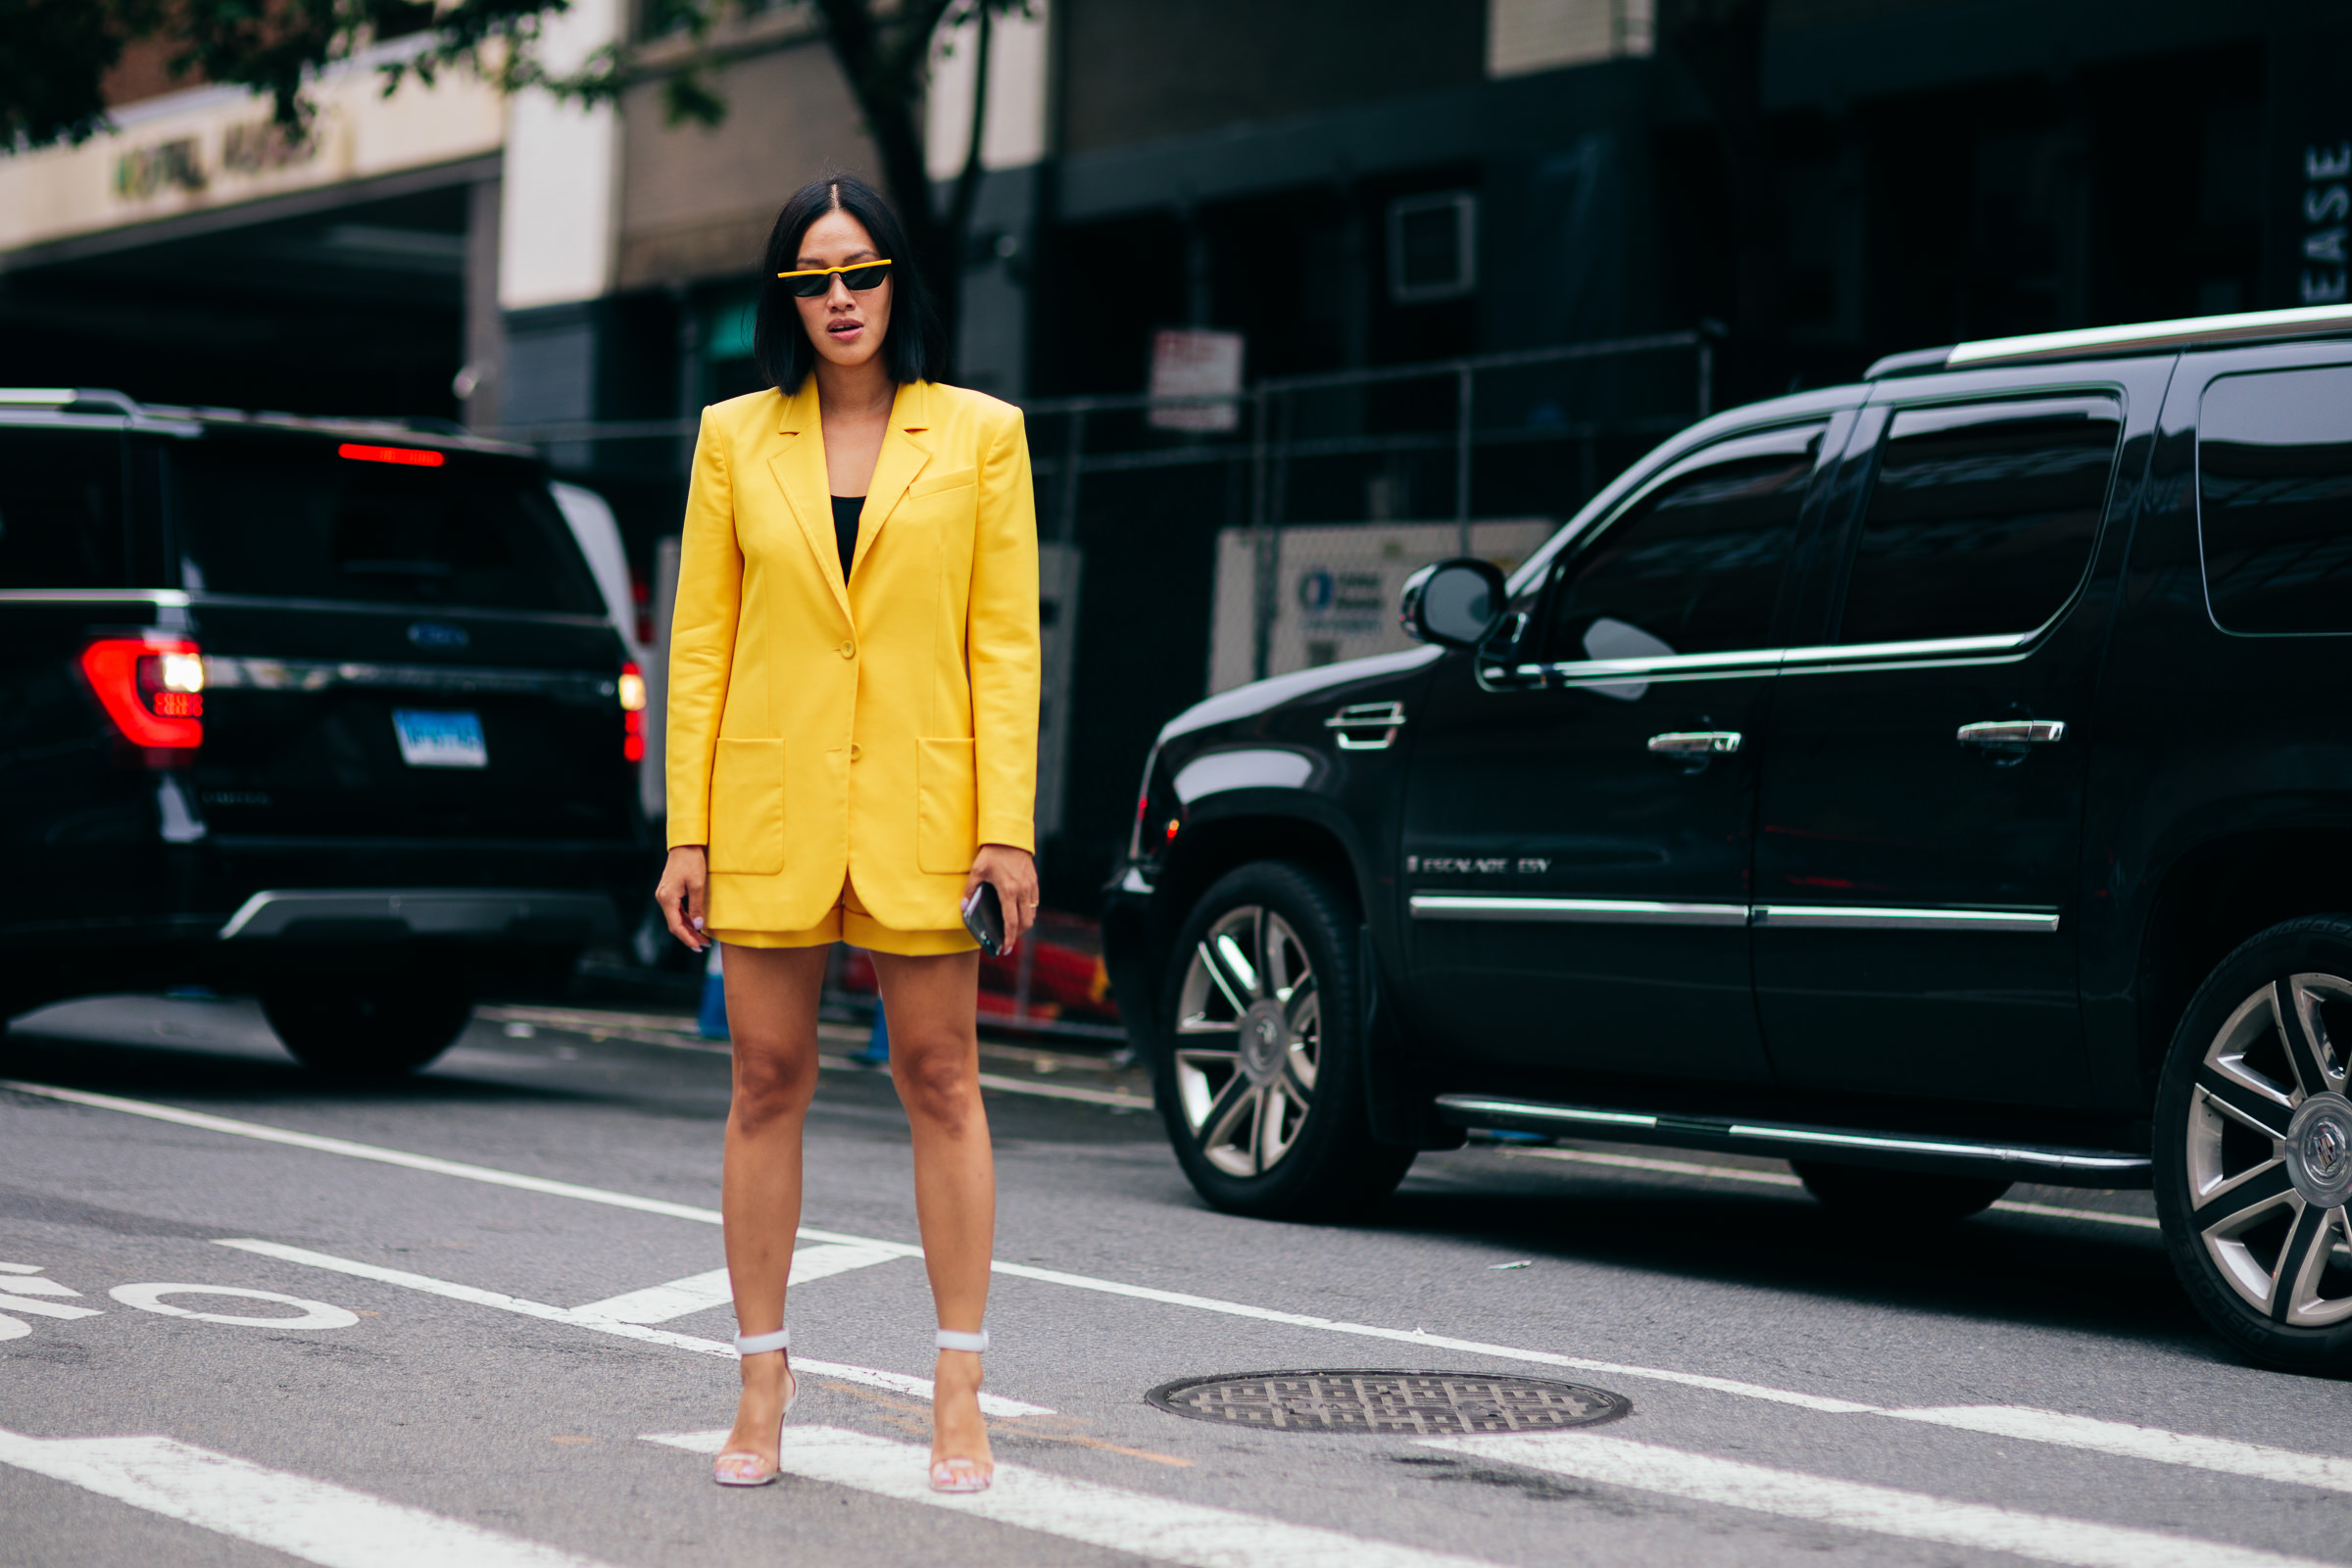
x: 884, y: 729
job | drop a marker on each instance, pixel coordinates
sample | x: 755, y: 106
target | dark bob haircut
x: 915, y: 348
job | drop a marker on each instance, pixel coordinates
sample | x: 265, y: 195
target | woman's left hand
x: 1013, y: 874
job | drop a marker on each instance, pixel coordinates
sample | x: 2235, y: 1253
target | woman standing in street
x: 852, y: 748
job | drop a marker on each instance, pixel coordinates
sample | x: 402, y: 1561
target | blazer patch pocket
x: 747, y: 807
x: 932, y: 484
x: 946, y: 806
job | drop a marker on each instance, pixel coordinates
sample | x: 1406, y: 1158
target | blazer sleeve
x: 701, y: 636
x: 1000, y: 642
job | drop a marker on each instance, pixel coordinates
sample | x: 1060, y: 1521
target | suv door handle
x: 2013, y: 732
x: 1694, y: 743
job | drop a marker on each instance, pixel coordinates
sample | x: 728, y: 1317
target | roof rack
x: 2141, y: 338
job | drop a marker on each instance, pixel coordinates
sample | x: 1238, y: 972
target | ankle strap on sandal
x: 755, y: 1344
x: 951, y: 1340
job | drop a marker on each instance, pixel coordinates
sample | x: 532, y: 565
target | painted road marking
x: 2129, y: 1441
x: 574, y: 1317
x: 2058, y: 1432
x: 313, y: 1520
x: 1858, y: 1505
x: 18, y: 1291
x: 313, y: 1315
x: 699, y: 1292
x: 1769, y: 1178
x: 1133, y: 1522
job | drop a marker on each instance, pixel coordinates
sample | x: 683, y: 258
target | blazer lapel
x: 905, y: 449
x: 800, y: 473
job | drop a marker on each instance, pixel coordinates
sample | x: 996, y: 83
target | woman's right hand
x: 680, y: 894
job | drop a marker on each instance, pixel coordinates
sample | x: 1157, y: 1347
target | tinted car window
x: 61, y: 509
x: 294, y: 520
x: 1981, y: 519
x: 1694, y: 567
x: 2275, y: 501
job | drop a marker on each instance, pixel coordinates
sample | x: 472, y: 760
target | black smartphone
x: 984, y: 918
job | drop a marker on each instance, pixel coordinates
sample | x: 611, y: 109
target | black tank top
x: 845, y: 529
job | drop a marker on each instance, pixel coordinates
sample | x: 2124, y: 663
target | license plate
x: 440, y: 739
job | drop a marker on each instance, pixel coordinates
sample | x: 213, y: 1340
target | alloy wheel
x: 1250, y: 1039
x: 2270, y: 1152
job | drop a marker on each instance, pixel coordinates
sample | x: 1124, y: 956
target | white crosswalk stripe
x: 897, y: 1382
x: 1858, y: 1505
x: 1133, y: 1522
x: 315, y: 1521
x: 699, y: 1292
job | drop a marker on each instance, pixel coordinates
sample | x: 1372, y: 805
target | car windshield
x: 303, y: 518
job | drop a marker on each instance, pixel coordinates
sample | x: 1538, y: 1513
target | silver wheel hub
x: 1249, y: 1041
x: 2318, y: 1150
x: 1265, y: 1039
x: 2270, y: 1152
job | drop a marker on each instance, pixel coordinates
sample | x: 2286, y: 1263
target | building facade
x: 1346, y: 186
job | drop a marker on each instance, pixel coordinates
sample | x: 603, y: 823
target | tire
x: 1858, y: 1192
x: 369, y: 1029
x: 1260, y: 1075
x: 2253, y: 1157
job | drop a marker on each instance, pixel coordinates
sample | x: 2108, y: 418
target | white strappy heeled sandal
x: 740, y: 1467
x: 959, y: 1473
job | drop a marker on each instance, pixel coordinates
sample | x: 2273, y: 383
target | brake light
x: 152, y: 687
x: 632, y: 712
x: 414, y: 457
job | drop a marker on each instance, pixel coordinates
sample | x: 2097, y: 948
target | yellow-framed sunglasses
x: 859, y: 276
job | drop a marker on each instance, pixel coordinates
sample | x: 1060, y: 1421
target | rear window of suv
x: 295, y: 518
x: 61, y: 509
x: 1982, y: 520
x: 2275, y: 501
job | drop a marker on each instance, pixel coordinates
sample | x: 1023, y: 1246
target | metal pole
x: 1461, y: 461
x: 1261, y: 629
x: 1707, y: 375
x: 1066, y: 527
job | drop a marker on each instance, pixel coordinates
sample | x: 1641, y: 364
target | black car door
x: 1918, y: 847
x: 1576, y: 830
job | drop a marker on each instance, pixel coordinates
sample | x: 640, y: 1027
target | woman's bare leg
x: 771, y: 1016
x: 935, y: 1061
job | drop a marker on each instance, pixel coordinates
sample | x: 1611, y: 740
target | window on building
x: 2275, y: 501
x: 1695, y: 565
x: 1982, y: 519
x: 61, y: 509
x: 1433, y: 247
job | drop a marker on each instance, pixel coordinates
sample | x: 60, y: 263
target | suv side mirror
x: 1453, y: 603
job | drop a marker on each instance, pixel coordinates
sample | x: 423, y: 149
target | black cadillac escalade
x: 330, y: 713
x: 1940, y: 782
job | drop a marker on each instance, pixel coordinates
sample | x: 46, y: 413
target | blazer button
x: 854, y: 754
x: 849, y: 650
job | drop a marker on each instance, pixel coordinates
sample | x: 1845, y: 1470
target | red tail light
x: 152, y: 687
x: 632, y: 712
x: 411, y: 457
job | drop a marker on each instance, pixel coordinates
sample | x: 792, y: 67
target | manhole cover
x: 1408, y: 1403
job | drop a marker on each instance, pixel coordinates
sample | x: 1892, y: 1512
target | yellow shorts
x: 848, y: 921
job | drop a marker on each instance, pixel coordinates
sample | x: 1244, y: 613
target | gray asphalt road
x: 2026, y: 1385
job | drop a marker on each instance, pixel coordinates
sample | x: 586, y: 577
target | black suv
x: 328, y: 713
x: 1938, y: 782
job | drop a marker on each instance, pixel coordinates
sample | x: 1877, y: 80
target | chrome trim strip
x: 1592, y: 911
x: 2313, y: 320
x: 426, y: 912
x: 1663, y: 664
x: 1695, y: 743
x: 1860, y: 917
x: 1580, y: 1114
x: 1931, y: 648
x: 1699, y: 1128
x: 231, y: 672
x: 168, y: 598
x: 2049, y: 1158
